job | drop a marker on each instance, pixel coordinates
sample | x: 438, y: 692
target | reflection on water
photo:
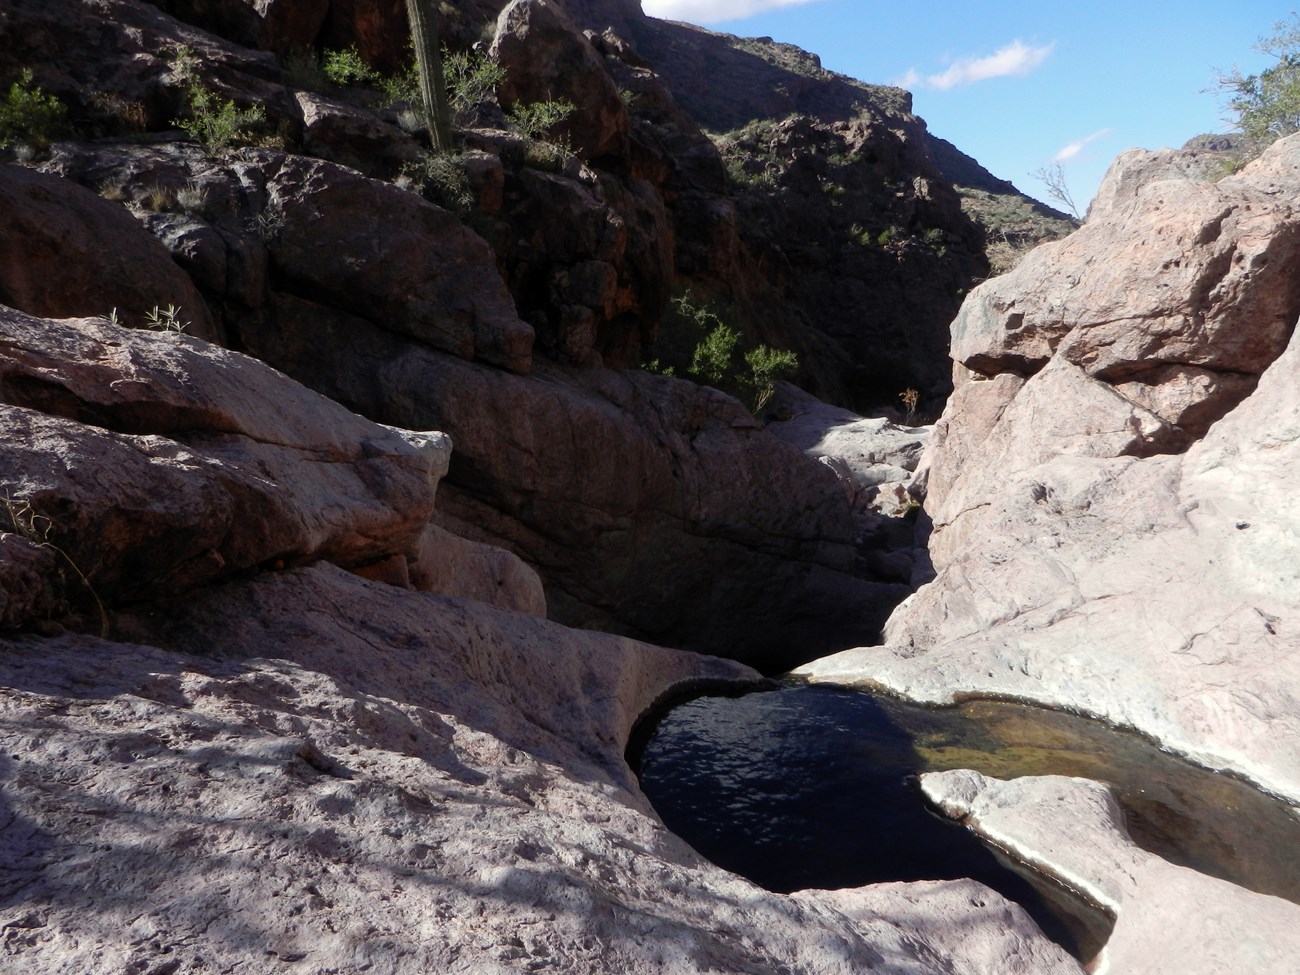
x: 813, y: 786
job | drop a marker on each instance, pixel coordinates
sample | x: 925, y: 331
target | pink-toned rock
x: 454, y: 566
x: 1076, y: 569
x: 308, y: 770
x: 1173, y: 282
x: 156, y: 463
x: 546, y: 58
x: 1170, y: 920
x: 873, y: 456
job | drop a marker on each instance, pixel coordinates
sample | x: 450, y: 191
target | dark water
x: 814, y: 786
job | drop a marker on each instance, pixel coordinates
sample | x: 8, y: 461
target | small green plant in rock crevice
x: 535, y: 120
x: 165, y: 319
x: 716, y: 357
x: 27, y: 114
x: 215, y: 122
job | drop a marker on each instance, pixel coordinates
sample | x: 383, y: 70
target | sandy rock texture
x: 267, y: 760
x: 1083, y: 561
x: 308, y: 768
x: 873, y: 457
x: 1169, y: 919
x: 151, y: 463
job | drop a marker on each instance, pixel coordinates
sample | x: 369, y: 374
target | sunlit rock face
x: 1073, y: 829
x: 1113, y: 526
x: 235, y: 734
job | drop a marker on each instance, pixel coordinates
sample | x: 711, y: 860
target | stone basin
x: 812, y: 786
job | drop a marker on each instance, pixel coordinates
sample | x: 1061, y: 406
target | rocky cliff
x: 267, y: 704
x: 1114, y: 529
x: 489, y: 313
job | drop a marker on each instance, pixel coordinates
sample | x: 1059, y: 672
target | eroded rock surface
x: 874, y: 457
x: 269, y: 764
x: 1076, y: 569
x: 650, y: 506
x: 313, y: 769
x: 157, y: 462
x: 1169, y: 919
x: 65, y: 251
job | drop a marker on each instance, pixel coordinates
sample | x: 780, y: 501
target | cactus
x: 428, y: 59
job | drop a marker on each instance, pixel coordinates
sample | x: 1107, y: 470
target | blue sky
x: 1019, y: 85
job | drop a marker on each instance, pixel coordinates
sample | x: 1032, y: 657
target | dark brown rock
x: 353, y: 137
x: 114, y: 63
x: 546, y: 58
x: 274, y: 25
x: 65, y: 251
x: 649, y: 506
x: 386, y: 254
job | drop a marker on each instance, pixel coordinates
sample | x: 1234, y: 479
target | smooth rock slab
x: 309, y: 768
x: 1080, y: 567
x: 1169, y: 919
x: 157, y: 463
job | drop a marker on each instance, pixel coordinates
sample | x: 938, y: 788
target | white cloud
x: 712, y: 11
x: 1015, y: 59
x: 1072, y: 149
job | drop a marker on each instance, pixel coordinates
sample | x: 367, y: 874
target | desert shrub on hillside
x: 696, y: 342
x: 27, y: 114
x: 1266, y: 106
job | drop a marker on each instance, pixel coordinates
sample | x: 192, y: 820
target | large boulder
x: 650, y: 506
x: 1079, y: 563
x: 65, y: 251
x: 141, y: 465
x: 378, y: 251
x: 1176, y: 292
x: 271, y: 226
x: 545, y: 59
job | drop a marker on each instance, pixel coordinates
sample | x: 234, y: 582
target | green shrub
x: 27, y: 114
x: 216, y: 122
x: 715, y: 355
x: 713, y: 358
x: 766, y: 366
x: 535, y: 120
x: 472, y: 78
x: 402, y: 88
x: 346, y: 67
x: 1266, y: 106
x: 738, y: 174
